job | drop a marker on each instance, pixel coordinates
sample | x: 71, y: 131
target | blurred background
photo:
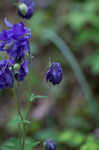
x: 70, y: 114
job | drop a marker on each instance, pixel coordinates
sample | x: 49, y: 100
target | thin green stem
x: 22, y: 119
x: 17, y: 104
x: 28, y: 109
x: 29, y: 91
x: 23, y: 139
x: 27, y: 114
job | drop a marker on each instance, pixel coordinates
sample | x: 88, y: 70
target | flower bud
x: 55, y: 73
x: 50, y: 145
x: 17, y: 67
x: 26, y: 8
x: 22, y: 7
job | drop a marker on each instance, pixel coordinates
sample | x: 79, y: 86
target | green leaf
x: 23, y: 121
x: 29, y: 144
x: 72, y: 138
x: 11, y: 144
x: 33, y: 97
x: 35, y: 143
x: 90, y: 144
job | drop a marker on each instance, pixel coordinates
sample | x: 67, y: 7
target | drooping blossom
x: 26, y: 8
x: 54, y: 74
x: 50, y: 145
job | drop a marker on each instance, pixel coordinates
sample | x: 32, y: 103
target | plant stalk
x: 22, y: 119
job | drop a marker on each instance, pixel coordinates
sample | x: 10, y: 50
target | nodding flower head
x: 55, y: 73
x: 50, y: 145
x: 15, y: 40
x: 6, y: 77
x: 26, y: 8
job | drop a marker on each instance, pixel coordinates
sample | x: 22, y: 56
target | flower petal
x: 7, y: 23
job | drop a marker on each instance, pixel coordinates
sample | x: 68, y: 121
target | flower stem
x: 22, y: 119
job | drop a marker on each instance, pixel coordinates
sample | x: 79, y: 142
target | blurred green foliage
x: 72, y: 138
x: 14, y: 144
x: 84, y: 20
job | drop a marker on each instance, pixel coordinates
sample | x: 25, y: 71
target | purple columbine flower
x: 26, y: 8
x: 21, y: 74
x: 54, y: 74
x: 15, y: 40
x: 50, y: 145
x: 6, y: 77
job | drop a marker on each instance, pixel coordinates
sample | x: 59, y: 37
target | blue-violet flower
x: 15, y: 41
x: 55, y: 73
x: 6, y: 77
x: 26, y: 8
x: 50, y: 145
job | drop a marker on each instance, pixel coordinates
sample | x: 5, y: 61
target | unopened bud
x: 17, y: 66
x: 23, y: 8
x: 10, y: 68
x: 26, y: 8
